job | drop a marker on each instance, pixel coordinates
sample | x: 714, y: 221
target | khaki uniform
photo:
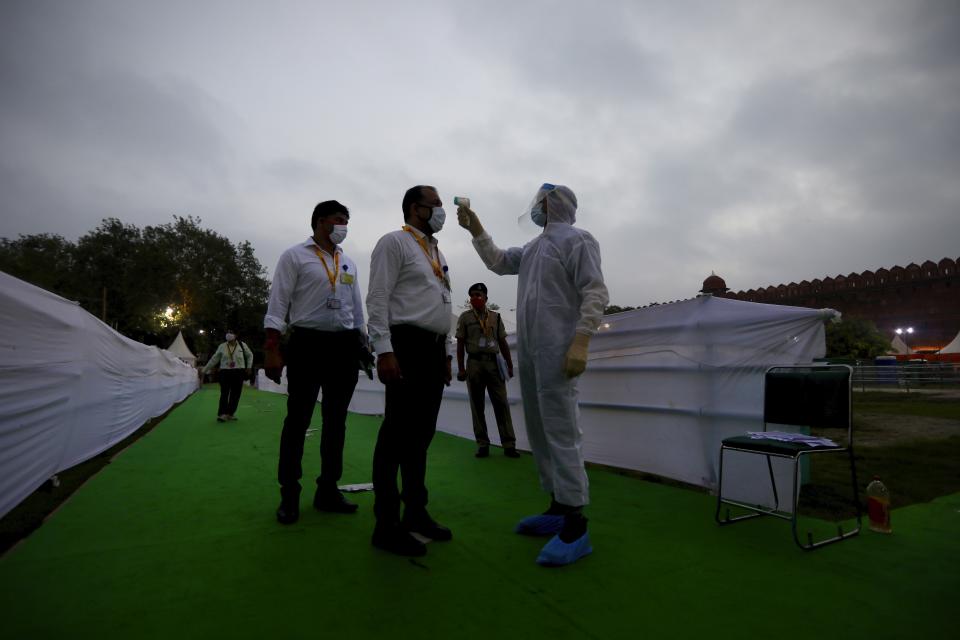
x: 481, y: 335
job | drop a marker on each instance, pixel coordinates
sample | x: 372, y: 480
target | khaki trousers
x: 483, y: 375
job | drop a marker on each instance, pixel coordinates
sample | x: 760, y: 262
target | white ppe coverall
x: 560, y: 292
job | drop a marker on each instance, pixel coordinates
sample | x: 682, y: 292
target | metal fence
x: 908, y: 376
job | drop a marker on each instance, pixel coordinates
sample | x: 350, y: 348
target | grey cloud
x: 571, y: 49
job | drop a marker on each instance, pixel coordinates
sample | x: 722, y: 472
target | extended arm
x: 214, y: 360
x: 500, y: 261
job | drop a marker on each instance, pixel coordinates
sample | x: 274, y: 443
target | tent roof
x: 953, y: 346
x: 899, y: 347
x: 179, y: 347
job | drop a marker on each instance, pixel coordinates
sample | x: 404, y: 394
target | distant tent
x: 954, y: 346
x: 179, y: 348
x: 899, y: 347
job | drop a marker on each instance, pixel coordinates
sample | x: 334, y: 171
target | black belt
x: 484, y: 355
x: 416, y: 333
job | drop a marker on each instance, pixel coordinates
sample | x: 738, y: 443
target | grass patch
x: 893, y: 439
x: 906, y: 404
x: 916, y: 470
x: 30, y: 514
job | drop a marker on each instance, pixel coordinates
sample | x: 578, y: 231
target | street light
x: 900, y: 331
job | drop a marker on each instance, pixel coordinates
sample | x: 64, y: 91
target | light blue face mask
x: 437, y: 219
x: 538, y: 215
x: 339, y: 233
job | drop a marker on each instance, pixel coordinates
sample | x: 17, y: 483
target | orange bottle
x: 878, y: 506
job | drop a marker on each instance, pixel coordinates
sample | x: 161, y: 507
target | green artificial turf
x: 177, y: 539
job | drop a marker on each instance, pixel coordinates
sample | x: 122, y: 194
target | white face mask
x: 538, y: 215
x: 339, y: 233
x: 230, y: 337
x: 437, y: 219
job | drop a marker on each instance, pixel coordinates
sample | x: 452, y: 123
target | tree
x: 154, y: 282
x: 214, y: 284
x: 44, y: 260
x: 611, y: 309
x: 855, y: 338
x: 112, y: 262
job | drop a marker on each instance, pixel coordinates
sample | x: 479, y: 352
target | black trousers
x: 231, y: 384
x: 317, y: 360
x: 409, y: 422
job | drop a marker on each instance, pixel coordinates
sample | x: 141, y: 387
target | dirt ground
x: 874, y: 428
x: 883, y: 429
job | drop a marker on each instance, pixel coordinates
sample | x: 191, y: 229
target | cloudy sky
x: 766, y: 141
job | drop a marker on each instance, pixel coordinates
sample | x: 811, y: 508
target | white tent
x: 953, y: 346
x: 70, y: 386
x: 180, y: 349
x: 663, y: 384
x: 899, y: 347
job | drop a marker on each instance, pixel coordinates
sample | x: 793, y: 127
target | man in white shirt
x: 409, y: 304
x: 316, y: 294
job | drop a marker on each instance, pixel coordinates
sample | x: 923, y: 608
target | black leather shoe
x: 428, y: 528
x: 482, y: 452
x: 511, y: 453
x: 287, y: 514
x: 334, y: 503
x: 396, y: 540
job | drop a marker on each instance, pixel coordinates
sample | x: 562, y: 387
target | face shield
x: 554, y: 201
x: 530, y: 213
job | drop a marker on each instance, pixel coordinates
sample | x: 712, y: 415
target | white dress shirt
x: 301, y: 292
x: 404, y: 288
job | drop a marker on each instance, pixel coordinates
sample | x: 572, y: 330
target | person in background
x: 234, y: 360
x: 409, y: 303
x: 316, y: 294
x: 560, y: 301
x: 481, y: 334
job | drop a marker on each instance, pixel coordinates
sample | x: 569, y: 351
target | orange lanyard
x: 331, y: 275
x: 434, y: 262
x: 482, y: 321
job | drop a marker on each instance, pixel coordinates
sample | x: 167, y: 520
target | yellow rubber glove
x: 576, y: 360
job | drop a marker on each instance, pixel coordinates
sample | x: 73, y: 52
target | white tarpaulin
x: 663, y: 386
x: 70, y: 386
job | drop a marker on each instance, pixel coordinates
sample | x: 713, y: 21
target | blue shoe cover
x: 540, y: 525
x: 557, y: 553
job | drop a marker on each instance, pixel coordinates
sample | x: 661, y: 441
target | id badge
x: 446, y: 297
x: 333, y: 303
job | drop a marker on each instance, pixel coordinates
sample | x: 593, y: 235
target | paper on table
x: 784, y: 436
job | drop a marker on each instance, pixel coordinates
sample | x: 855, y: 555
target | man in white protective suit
x: 560, y: 301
